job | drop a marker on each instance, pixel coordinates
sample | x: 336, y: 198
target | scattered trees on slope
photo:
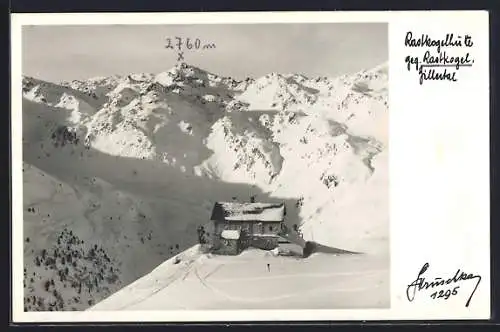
x: 69, y: 276
x: 63, y: 135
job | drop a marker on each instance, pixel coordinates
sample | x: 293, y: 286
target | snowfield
x: 202, y: 281
x: 119, y: 172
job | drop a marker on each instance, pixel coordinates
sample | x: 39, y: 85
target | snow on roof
x: 230, y: 234
x: 233, y: 211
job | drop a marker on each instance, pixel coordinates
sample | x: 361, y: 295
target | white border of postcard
x: 439, y: 167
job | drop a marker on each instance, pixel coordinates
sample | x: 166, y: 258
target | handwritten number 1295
x: 445, y: 294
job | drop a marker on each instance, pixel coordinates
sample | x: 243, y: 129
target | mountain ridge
x: 171, y: 144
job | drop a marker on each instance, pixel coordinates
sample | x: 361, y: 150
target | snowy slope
x: 201, y: 282
x: 71, y: 218
x: 133, y: 164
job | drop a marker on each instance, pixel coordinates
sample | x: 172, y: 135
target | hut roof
x: 233, y: 211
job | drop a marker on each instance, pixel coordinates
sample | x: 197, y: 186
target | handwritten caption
x: 187, y: 44
x: 443, y: 57
x: 441, y: 288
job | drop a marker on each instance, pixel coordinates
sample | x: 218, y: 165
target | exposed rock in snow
x: 186, y: 127
x: 277, y: 92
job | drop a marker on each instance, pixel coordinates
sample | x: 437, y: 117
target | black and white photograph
x: 235, y: 167
x: 199, y: 167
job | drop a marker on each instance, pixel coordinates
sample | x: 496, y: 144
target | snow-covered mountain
x: 120, y: 171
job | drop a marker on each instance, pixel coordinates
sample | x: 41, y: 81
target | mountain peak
x: 189, y: 69
x: 185, y: 66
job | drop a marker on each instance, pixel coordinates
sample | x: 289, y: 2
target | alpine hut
x: 240, y: 225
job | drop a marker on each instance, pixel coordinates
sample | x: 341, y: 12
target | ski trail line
x: 287, y: 276
x: 218, y: 267
x: 170, y: 279
x: 336, y: 289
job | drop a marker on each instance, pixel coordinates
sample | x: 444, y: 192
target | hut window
x: 270, y: 228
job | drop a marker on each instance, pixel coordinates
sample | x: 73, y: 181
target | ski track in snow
x: 166, y: 282
x: 319, y: 289
x: 219, y: 287
x: 301, y: 275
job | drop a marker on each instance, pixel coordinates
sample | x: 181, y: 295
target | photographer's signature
x: 443, y: 288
